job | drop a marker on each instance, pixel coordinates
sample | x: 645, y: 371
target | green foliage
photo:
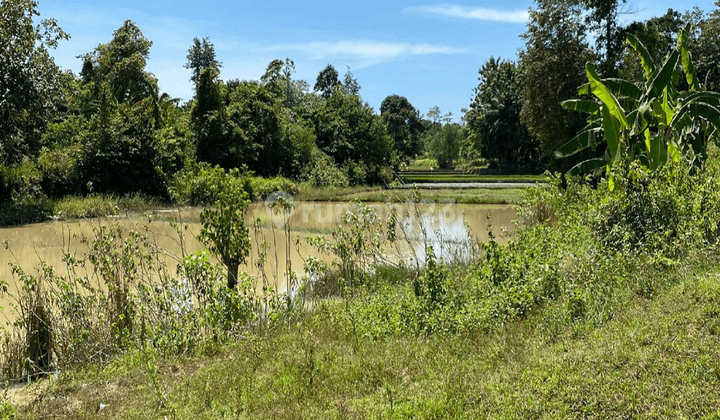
x: 200, y: 57
x: 442, y: 143
x: 7, y: 411
x: 327, y: 81
x: 493, y: 121
x: 404, y: 124
x: 30, y: 82
x: 321, y: 171
x: 706, y: 51
x: 660, y: 123
x: 552, y: 67
x: 223, y: 225
x: 200, y: 184
x: 21, y: 197
x: 348, y: 130
x: 657, y: 35
x: 261, y: 187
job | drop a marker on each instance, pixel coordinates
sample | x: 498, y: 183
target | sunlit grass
x: 96, y: 205
x: 655, y: 358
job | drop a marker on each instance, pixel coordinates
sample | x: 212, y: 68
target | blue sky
x: 428, y: 52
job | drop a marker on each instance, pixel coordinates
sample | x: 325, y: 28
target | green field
x: 457, y: 176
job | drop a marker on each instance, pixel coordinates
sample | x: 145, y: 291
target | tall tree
x: 602, y: 17
x: 404, y: 124
x: 493, y: 120
x: 29, y: 80
x: 326, y: 81
x: 707, y: 50
x: 123, y: 114
x: 201, y: 56
x: 553, y: 67
x: 350, y: 83
x: 208, y: 121
x: 350, y: 132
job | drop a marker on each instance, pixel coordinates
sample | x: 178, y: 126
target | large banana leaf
x: 620, y: 87
x: 580, y: 105
x: 662, y: 78
x: 586, y: 138
x: 645, y: 57
x: 612, y: 130
x: 603, y: 93
x: 589, y: 166
x: 687, y: 63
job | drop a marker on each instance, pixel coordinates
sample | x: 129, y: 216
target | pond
x: 452, y: 230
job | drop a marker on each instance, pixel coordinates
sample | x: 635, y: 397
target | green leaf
x: 583, y: 140
x: 581, y: 105
x: 645, y: 57
x: 695, y: 110
x: 658, y: 152
x: 620, y: 87
x: 674, y: 152
x: 611, y: 128
x: 687, y: 63
x: 663, y: 77
x: 604, y: 94
x: 588, y: 166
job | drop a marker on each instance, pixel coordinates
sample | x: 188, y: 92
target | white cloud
x: 478, y: 13
x: 367, y: 50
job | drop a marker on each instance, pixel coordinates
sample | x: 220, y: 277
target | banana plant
x: 652, y: 121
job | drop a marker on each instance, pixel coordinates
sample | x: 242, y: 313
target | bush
x: 21, y: 197
x: 198, y: 184
x: 321, y: 171
x: 60, y: 172
x: 262, y: 187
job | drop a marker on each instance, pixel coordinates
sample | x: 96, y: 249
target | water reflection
x: 452, y: 230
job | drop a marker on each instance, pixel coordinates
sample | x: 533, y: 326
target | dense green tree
x: 706, y: 50
x: 223, y: 226
x: 201, y: 56
x: 442, y: 142
x: 602, y: 17
x: 326, y: 81
x: 208, y: 121
x: 120, y: 104
x: 30, y: 90
x: 404, y: 124
x: 493, y: 120
x: 351, y: 133
x: 553, y: 67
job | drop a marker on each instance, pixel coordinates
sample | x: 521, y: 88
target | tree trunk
x: 232, y: 275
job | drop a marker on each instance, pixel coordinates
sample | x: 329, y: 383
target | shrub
x: 199, y: 184
x: 321, y: 171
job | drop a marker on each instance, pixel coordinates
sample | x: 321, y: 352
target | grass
x: 656, y: 358
x: 73, y: 207
x: 458, y: 177
x: 379, y: 194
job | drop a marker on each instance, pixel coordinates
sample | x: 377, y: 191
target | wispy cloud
x: 478, y: 13
x: 368, y: 50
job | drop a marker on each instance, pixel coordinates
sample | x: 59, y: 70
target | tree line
x: 109, y: 129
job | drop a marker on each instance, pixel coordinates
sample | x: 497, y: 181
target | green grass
x: 657, y: 358
x: 379, y: 194
x: 73, y: 207
x: 462, y: 177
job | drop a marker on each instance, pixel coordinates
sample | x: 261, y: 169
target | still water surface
x: 451, y: 229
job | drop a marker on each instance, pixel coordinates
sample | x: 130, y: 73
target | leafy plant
x: 224, y: 231
x: 660, y: 123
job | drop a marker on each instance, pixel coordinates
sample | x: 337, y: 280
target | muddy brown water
x: 451, y: 230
